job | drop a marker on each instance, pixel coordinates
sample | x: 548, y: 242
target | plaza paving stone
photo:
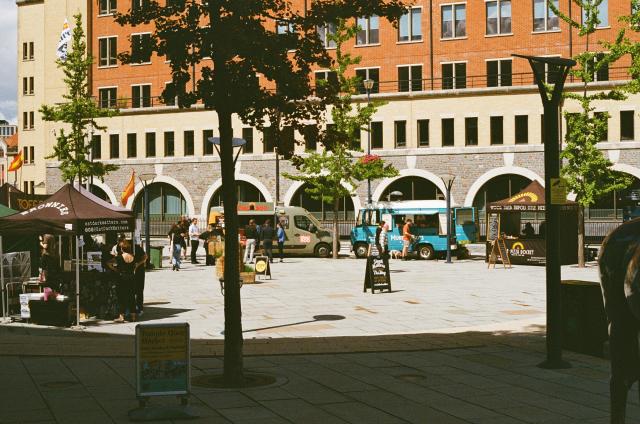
x: 453, y: 343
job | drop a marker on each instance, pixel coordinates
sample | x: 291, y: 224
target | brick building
x: 457, y: 102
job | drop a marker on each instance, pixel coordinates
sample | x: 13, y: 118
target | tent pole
x: 77, y: 282
x: 4, y: 310
x: 60, y: 252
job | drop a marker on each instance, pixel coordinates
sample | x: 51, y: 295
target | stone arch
x: 213, y: 188
x: 627, y: 169
x: 168, y: 180
x: 421, y: 173
x: 496, y: 172
x: 104, y: 187
x: 293, y: 189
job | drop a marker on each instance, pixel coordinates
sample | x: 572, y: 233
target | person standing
x: 49, y: 263
x: 140, y: 258
x: 251, y: 236
x: 406, y: 238
x: 177, y: 241
x: 124, y: 265
x: 280, y: 234
x: 268, y: 235
x: 381, y: 239
x: 184, y: 223
x: 194, y: 233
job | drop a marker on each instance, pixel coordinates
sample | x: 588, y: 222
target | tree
x: 233, y: 42
x: 585, y: 168
x: 335, y: 173
x: 79, y: 111
x: 4, y: 122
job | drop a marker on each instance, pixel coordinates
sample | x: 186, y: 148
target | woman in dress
x: 124, y: 265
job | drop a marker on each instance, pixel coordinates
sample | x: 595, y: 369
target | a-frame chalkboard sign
x: 499, y: 248
x: 377, y: 276
x: 263, y: 267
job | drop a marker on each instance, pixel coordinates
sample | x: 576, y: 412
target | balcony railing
x: 446, y: 84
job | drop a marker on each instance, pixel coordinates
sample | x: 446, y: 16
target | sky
x: 9, y: 55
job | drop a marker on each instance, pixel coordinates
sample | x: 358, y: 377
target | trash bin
x: 155, y: 256
x: 584, y: 322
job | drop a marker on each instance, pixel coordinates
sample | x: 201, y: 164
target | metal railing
x: 595, y: 231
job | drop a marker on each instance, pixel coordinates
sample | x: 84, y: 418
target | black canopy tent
x: 504, y: 219
x: 67, y: 212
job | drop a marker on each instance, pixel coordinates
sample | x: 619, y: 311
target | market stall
x: 515, y: 220
x: 68, y: 212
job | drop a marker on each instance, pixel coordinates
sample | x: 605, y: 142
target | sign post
x: 163, y: 368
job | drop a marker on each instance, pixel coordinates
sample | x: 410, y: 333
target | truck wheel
x: 360, y: 250
x: 322, y: 250
x: 425, y: 251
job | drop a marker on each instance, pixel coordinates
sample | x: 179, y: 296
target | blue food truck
x: 429, y: 226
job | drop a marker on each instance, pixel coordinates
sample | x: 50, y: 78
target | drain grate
x: 216, y: 381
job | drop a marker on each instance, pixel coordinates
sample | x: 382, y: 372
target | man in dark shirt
x: 140, y: 259
x: 268, y: 234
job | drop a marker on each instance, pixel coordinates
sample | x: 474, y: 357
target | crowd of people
x: 265, y: 234
x: 187, y: 229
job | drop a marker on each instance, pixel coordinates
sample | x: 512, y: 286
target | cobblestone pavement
x: 452, y: 343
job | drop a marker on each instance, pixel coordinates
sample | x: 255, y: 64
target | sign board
x: 377, y: 276
x: 255, y: 206
x: 262, y: 266
x: 97, y: 226
x: 493, y: 226
x: 24, y: 202
x: 558, y: 191
x: 163, y: 359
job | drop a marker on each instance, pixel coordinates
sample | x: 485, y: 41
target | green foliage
x: 78, y: 111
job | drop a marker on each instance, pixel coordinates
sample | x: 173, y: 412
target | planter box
x: 248, y: 277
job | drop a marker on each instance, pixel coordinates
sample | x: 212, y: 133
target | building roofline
x: 28, y: 2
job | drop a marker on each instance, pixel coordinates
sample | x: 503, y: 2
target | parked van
x: 429, y: 225
x: 304, y: 233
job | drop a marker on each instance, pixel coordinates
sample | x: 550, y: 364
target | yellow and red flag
x: 16, y: 163
x: 129, y: 189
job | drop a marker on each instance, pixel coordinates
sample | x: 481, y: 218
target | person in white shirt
x: 194, y: 233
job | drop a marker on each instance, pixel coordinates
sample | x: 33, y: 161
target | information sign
x: 377, y: 276
x: 163, y: 359
x: 262, y: 266
x: 558, y: 191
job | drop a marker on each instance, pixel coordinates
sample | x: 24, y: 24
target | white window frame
x: 109, y: 11
x: 324, y: 29
x: 499, y: 76
x: 410, y: 75
x: 595, y: 60
x: 546, y: 19
x: 141, y: 97
x: 367, y: 68
x: 499, y: 32
x: 546, y: 67
x: 410, y: 27
x: 150, y: 56
x: 466, y: 62
x: 108, y: 37
x: 601, y: 26
x: 453, y: 16
x: 367, y: 31
x: 107, y: 88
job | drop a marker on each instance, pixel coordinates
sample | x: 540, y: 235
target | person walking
x: 140, y: 258
x: 177, y: 241
x: 251, y: 236
x: 280, y: 234
x: 194, y: 233
x: 124, y: 265
x: 267, y: 236
x: 406, y: 239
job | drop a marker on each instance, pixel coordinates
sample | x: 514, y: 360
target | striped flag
x: 65, y: 36
x: 129, y: 189
x: 16, y: 163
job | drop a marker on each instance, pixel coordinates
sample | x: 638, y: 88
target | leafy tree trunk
x: 233, y: 361
x: 336, y: 236
x: 581, y: 261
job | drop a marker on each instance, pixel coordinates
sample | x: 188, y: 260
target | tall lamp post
x: 448, y: 180
x: 551, y: 102
x: 147, y: 179
x: 368, y: 86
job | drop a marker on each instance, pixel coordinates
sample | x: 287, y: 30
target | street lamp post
x: 147, y: 179
x: 448, y: 180
x: 368, y: 86
x: 552, y: 171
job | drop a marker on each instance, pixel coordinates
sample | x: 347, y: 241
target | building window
x: 150, y: 144
x: 454, y: 75
x: 499, y: 73
x: 627, y: 126
x: 108, y: 7
x: 376, y: 135
x: 498, y: 17
x: 599, y: 71
x: 247, y: 135
x: 603, y: 14
x: 141, y: 95
x: 107, y: 97
x: 283, y: 27
x: 28, y: 50
x: 141, y: 48
x: 114, y: 146
x: 410, y: 26
x: 605, y: 117
x: 171, y: 92
x: 368, y: 73
x: 522, y: 129
x: 132, y: 145
x: 551, y: 73
x: 324, y: 32
x: 471, y: 131
x: 326, y: 80
x: 169, y: 143
x: 454, y: 21
x: 368, y: 31
x: 544, y: 19
x: 189, y: 143
x: 400, y: 133
x: 25, y: 86
x: 32, y: 154
x: 410, y: 78
x: 268, y: 140
x: 96, y: 146
x: 496, y: 130
x: 31, y: 120
x: 423, y: 132
x: 25, y: 187
x: 310, y: 137
x: 447, y: 132
x: 207, y: 146
x: 25, y: 120
x: 25, y: 154
x: 139, y: 4
x: 31, y: 85
x: 108, y: 51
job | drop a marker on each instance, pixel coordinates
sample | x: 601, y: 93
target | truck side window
x: 303, y: 223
